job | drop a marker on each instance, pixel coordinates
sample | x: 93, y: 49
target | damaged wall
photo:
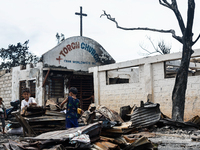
x: 6, y: 87
x: 152, y: 85
x: 29, y: 74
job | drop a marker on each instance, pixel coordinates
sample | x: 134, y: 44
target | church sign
x: 77, y: 53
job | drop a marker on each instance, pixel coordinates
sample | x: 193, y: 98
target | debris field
x: 134, y: 128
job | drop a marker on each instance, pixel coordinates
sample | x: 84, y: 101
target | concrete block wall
x: 162, y: 88
x: 28, y: 74
x: 162, y: 92
x: 152, y: 82
x: 192, y: 103
x: 6, y: 87
x: 116, y: 95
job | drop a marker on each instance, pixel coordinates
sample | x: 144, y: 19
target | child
x: 72, y: 106
x: 2, y: 114
x: 28, y: 101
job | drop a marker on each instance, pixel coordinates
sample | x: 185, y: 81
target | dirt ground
x: 169, y: 138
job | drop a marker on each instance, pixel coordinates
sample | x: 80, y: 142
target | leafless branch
x: 174, y: 7
x: 156, y: 50
x: 162, y: 48
x: 165, y: 3
x: 146, y: 49
x: 196, y: 40
x: 139, y: 28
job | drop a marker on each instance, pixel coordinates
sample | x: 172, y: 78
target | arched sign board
x: 78, y: 53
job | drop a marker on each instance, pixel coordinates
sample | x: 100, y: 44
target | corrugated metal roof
x: 146, y: 116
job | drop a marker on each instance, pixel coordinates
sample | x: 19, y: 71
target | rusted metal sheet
x: 106, y: 146
x: 146, y: 115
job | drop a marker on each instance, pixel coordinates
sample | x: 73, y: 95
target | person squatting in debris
x: 72, y: 106
x: 28, y: 101
x: 2, y: 115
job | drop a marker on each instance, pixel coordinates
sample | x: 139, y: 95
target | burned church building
x: 64, y: 66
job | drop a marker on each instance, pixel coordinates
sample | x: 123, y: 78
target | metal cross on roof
x: 81, y: 14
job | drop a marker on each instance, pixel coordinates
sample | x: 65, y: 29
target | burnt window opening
x: 23, y: 67
x: 171, y: 68
x: 123, y: 76
x: 31, y: 65
x: 56, y: 87
x: 118, y: 80
x: 22, y: 85
x: 32, y: 85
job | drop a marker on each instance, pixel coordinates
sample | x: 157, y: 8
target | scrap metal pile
x: 100, y: 128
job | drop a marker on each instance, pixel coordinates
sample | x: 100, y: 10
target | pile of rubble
x: 135, y: 128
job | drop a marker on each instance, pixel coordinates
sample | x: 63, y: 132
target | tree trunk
x: 178, y: 95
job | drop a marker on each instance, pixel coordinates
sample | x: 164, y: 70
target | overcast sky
x: 39, y: 20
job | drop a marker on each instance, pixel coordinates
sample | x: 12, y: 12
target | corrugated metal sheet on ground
x: 146, y: 116
x: 91, y: 130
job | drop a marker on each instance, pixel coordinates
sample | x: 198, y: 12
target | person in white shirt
x: 28, y: 101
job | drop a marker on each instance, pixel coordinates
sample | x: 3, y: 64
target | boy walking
x: 28, y: 101
x: 72, y: 106
x: 2, y: 115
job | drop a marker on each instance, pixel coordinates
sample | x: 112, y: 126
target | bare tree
x: 161, y: 48
x: 186, y: 39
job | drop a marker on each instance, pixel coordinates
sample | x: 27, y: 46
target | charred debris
x: 135, y: 128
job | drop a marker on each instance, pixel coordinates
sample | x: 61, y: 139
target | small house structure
x: 64, y: 66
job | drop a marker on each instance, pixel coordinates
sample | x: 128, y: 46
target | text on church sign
x: 77, y: 45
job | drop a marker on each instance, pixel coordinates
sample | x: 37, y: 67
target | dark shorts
x: 2, y: 120
x: 70, y: 123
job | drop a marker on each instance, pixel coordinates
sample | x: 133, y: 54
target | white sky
x: 40, y: 20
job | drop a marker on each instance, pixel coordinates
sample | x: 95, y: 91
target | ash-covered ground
x: 169, y: 138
